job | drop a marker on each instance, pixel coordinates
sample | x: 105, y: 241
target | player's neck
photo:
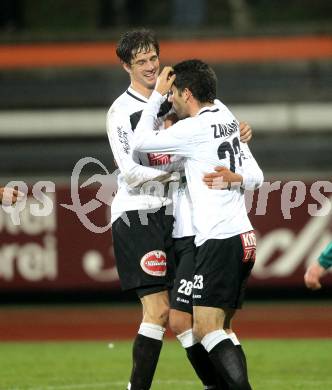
x: 197, y: 106
x: 141, y: 89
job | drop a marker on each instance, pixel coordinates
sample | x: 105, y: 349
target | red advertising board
x: 58, y: 251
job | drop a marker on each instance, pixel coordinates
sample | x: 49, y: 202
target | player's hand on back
x: 165, y: 80
x: 222, y: 178
x: 245, y: 132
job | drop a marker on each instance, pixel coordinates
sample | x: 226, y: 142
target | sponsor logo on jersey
x: 154, y: 263
x: 123, y: 138
x: 158, y: 159
x: 249, y: 245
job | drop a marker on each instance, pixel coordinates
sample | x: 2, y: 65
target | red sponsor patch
x: 158, y: 159
x: 154, y: 263
x: 249, y: 246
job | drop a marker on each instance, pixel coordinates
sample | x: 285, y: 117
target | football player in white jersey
x: 141, y: 228
x: 225, y: 241
x: 180, y: 316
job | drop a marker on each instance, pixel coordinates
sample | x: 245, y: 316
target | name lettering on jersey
x: 182, y: 300
x: 123, y: 138
x: 158, y: 159
x: 249, y: 246
x: 225, y: 130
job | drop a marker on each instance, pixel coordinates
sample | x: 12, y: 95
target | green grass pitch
x: 273, y: 365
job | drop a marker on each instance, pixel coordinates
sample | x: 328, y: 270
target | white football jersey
x: 183, y: 209
x: 209, y: 139
x: 136, y: 168
x: 183, y: 212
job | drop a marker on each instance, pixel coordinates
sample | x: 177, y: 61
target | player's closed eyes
x: 143, y: 62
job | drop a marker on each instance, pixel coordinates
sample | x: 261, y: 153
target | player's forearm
x: 253, y: 177
x: 138, y: 175
x: 145, y: 127
x: 177, y: 164
x: 251, y: 180
x: 134, y: 173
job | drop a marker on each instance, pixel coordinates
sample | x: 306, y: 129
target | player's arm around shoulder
x: 251, y: 172
x: 176, y: 140
x: 253, y: 177
x: 120, y: 136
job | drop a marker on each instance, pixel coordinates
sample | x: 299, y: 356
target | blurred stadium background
x: 58, y: 76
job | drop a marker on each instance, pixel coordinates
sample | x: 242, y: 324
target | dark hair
x: 132, y: 42
x: 198, y: 77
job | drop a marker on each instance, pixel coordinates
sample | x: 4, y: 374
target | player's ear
x: 187, y: 94
x: 126, y: 67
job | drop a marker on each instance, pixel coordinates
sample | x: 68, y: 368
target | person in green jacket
x: 319, y: 268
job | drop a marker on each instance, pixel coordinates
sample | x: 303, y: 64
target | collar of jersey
x: 130, y: 91
x: 213, y: 108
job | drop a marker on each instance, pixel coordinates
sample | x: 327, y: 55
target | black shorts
x: 144, y: 254
x: 181, y: 295
x: 222, y: 270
